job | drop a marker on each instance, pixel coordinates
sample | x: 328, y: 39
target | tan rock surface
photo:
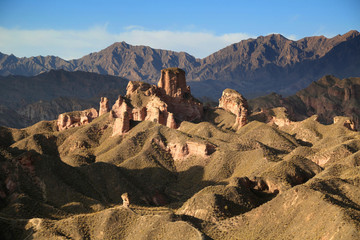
x: 235, y: 103
x: 170, y: 122
x: 173, y: 82
x: 121, y: 124
x: 104, y: 106
x: 75, y: 119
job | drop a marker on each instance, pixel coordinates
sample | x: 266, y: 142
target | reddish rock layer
x: 172, y: 91
x: 173, y: 82
x: 166, y: 104
x: 75, y: 119
x: 181, y: 151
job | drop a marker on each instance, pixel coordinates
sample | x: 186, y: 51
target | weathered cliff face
x: 75, y: 119
x: 235, y: 103
x: 331, y: 96
x: 170, y: 121
x: 139, y: 114
x: 172, y: 91
x: 121, y: 124
x: 104, y: 106
x: 181, y: 151
x: 156, y: 111
x: 173, y: 82
x: 120, y: 106
x: 135, y: 87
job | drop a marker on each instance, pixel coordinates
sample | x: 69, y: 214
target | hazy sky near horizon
x: 73, y: 28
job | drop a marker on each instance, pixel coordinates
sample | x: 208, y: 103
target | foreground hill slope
x: 207, y: 179
x: 253, y: 66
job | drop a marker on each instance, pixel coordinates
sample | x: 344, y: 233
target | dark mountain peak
x: 328, y: 80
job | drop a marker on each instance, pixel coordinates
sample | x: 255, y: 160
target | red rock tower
x: 173, y: 81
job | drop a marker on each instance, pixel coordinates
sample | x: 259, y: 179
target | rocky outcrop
x: 126, y: 200
x: 75, y: 119
x: 170, y: 122
x: 120, y: 106
x: 136, y: 87
x: 173, y: 82
x: 180, y: 151
x: 346, y: 122
x: 121, y: 124
x: 235, y: 103
x: 139, y: 114
x: 104, y: 106
x: 156, y: 111
x: 174, y: 91
x: 171, y: 95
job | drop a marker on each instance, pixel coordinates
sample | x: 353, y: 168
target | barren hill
x: 211, y: 179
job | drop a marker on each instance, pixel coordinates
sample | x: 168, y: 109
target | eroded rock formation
x: 121, y: 124
x: 126, y: 200
x: 104, y: 106
x: 156, y: 111
x: 120, y: 106
x: 168, y: 103
x: 173, y: 82
x: 75, y: 119
x: 235, y: 103
x: 170, y: 122
x: 181, y: 151
x: 347, y: 122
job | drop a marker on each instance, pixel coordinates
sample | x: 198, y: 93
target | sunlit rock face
x: 104, y: 106
x: 235, y: 103
x: 75, y: 119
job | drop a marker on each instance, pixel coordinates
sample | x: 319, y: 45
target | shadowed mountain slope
x: 328, y: 97
x: 27, y: 100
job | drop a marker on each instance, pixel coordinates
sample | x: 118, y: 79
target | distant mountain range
x: 254, y: 67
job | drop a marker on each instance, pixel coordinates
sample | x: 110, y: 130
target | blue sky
x: 71, y: 29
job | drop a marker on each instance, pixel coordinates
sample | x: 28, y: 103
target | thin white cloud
x: 292, y: 37
x: 71, y: 44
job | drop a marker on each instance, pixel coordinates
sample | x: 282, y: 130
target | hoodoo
x: 173, y: 81
x: 104, y: 106
x: 235, y: 103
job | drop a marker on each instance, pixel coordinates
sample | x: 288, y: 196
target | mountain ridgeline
x: 254, y: 67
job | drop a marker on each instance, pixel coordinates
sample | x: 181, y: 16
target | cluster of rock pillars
x: 169, y: 103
